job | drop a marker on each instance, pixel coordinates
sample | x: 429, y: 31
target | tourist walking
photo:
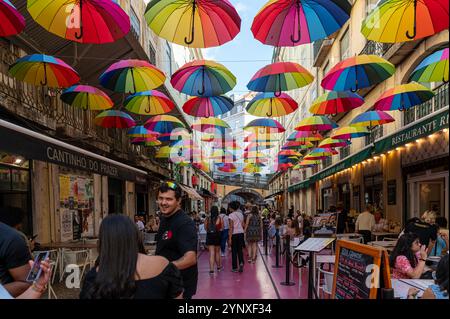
x: 213, y: 226
x: 236, y: 237
x: 224, y: 234
x: 253, y: 233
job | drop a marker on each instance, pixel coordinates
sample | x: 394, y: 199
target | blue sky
x: 244, y: 47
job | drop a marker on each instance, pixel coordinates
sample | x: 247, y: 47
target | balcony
x: 393, y: 52
x: 321, y: 49
x: 376, y: 48
x: 241, y: 180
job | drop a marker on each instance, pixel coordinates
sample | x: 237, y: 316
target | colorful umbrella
x: 316, y: 123
x: 434, y: 68
x: 45, y: 70
x: 260, y: 137
x: 222, y: 156
x: 153, y: 143
x: 258, y: 146
x: 132, y: 76
x: 336, y: 102
x: 141, y: 131
x: 331, y: 142
x: 227, y: 168
x: 114, y: 119
x: 176, y: 134
x: 251, y: 168
x: 163, y: 152
x: 289, y: 153
x: 297, y: 145
x: 208, y: 106
x: 209, y: 124
x: 304, y: 136
x: 145, y: 141
x: 357, y: 72
x: 288, y: 23
x: 149, y: 103
x: 267, y: 104
x: 269, y: 125
x: 163, y: 124
x: 403, y: 97
x: 254, y: 154
x: 405, y: 20
x: 194, y: 23
x: 208, y: 138
x: 203, y: 78
x: 349, y: 132
x: 284, y: 166
x: 371, y: 119
x: 280, y: 76
x: 308, y: 163
x: 87, y: 98
x: 84, y: 21
x: 318, y: 155
x: 12, y: 22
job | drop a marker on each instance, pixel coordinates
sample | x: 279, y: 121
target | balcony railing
x: 320, y: 50
x: 439, y: 101
x: 241, y: 180
x: 376, y: 48
x: 375, y: 134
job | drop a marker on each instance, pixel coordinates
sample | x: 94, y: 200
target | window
x: 135, y: 23
x: 168, y: 58
x: 375, y: 134
x: 344, y: 152
x: 152, y: 53
x: 345, y: 45
x: 327, y: 161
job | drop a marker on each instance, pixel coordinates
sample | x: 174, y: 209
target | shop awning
x: 426, y: 126
x: 274, y: 194
x: 192, y: 193
x: 296, y: 187
x: 206, y: 193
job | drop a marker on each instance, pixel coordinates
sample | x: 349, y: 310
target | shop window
x: 327, y: 161
x: 344, y: 152
x: 375, y: 134
x: 345, y: 45
x: 373, y: 190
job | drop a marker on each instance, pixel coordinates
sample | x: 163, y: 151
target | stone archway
x: 244, y: 195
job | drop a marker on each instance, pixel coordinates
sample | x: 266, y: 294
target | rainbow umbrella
x: 260, y: 137
x: 331, y: 142
x: 141, y: 131
x: 153, y: 143
x: 84, y: 21
x: 434, y: 68
x: 290, y: 153
x: 208, y: 138
x: 251, y: 168
x: 229, y: 145
x: 371, y: 119
x: 307, y: 163
x: 222, y: 156
x: 203, y: 78
x: 227, y: 168
x: 280, y: 76
x: 304, y: 136
x: 132, y: 76
x: 163, y: 124
x: 202, y: 166
x: 318, y: 154
x: 297, y: 145
x: 288, y: 23
x: 208, y: 106
x: 256, y: 161
x: 405, y: 20
x: 316, y: 123
x: 149, y: 103
x: 284, y: 167
x: 254, y: 154
x: 267, y: 104
x: 45, y: 70
x: 87, y: 98
x: 269, y: 125
x: 163, y: 152
x: 209, y: 124
x: 357, y: 72
x: 174, y: 135
x: 12, y: 22
x: 336, y: 102
x: 145, y: 141
x: 349, y: 132
x: 253, y: 146
x: 403, y: 97
x: 114, y: 119
x: 194, y: 23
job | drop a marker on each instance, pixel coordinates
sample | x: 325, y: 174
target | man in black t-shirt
x: 177, y: 236
x: 14, y: 257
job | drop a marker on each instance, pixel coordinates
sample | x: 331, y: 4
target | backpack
x: 219, y: 224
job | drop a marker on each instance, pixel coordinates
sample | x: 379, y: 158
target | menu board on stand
x: 360, y: 271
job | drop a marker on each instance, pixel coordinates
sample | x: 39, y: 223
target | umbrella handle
x: 270, y: 114
x: 409, y: 36
x: 45, y: 75
x: 201, y: 92
x: 79, y: 36
x: 355, y: 89
x: 299, y: 34
x: 277, y: 94
x: 193, y: 25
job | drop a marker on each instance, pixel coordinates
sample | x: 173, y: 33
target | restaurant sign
x: 303, y: 184
x: 409, y: 134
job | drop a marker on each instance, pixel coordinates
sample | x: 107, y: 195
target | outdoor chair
x: 79, y: 258
x: 327, y: 285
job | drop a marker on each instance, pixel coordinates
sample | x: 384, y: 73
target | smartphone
x: 35, y: 272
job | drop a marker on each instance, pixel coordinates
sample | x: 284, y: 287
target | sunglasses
x: 172, y: 185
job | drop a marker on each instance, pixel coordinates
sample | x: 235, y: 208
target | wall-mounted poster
x: 64, y: 190
x: 66, y: 225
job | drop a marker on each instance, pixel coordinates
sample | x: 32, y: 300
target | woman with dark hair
x: 224, y: 233
x: 253, y: 233
x: 214, y: 226
x: 408, y: 257
x: 123, y: 271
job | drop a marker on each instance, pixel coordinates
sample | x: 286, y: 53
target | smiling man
x: 177, y: 237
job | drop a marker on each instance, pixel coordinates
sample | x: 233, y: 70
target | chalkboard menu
x: 357, y: 271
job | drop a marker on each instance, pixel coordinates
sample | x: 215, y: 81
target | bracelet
x: 421, y: 259
x: 38, y: 289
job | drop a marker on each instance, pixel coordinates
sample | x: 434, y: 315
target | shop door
x: 115, y: 196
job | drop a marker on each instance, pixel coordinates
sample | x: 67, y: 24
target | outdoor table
x: 346, y: 235
x: 388, y: 245
x: 384, y: 234
x: 401, y: 286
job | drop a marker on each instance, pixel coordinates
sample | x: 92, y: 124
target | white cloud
x: 210, y: 53
x: 241, y: 7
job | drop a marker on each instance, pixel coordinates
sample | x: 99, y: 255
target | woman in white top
x: 236, y: 236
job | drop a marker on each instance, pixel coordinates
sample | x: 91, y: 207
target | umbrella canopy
x: 145, y: 141
x: 284, y: 166
x: 255, y: 146
x: 336, y: 102
x: 260, y: 137
x: 149, y: 103
x: 405, y: 20
x: 87, y: 98
x: 371, y: 119
x: 357, y: 72
x: 227, y: 168
x: 288, y: 23
x: 203, y: 78
x: 141, y: 131
x: 163, y: 152
x: 176, y: 134
x: 304, y: 136
x: 331, y: 142
x: 307, y: 163
x: 267, y: 104
x: 434, y: 68
x: 316, y: 123
x: 254, y: 154
x: 349, y: 132
x: 269, y: 125
x: 403, y: 97
x: 280, y: 76
x: 209, y: 124
x: 207, y: 138
x: 202, y: 166
x: 84, y: 21
x: 222, y: 156
x: 45, y: 70
x: 297, y: 145
x: 163, y: 124
x: 208, y: 106
x: 194, y: 23
x: 114, y: 119
x: 256, y: 161
x: 289, y: 153
x: 251, y: 168
x: 12, y: 22
x: 132, y: 76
